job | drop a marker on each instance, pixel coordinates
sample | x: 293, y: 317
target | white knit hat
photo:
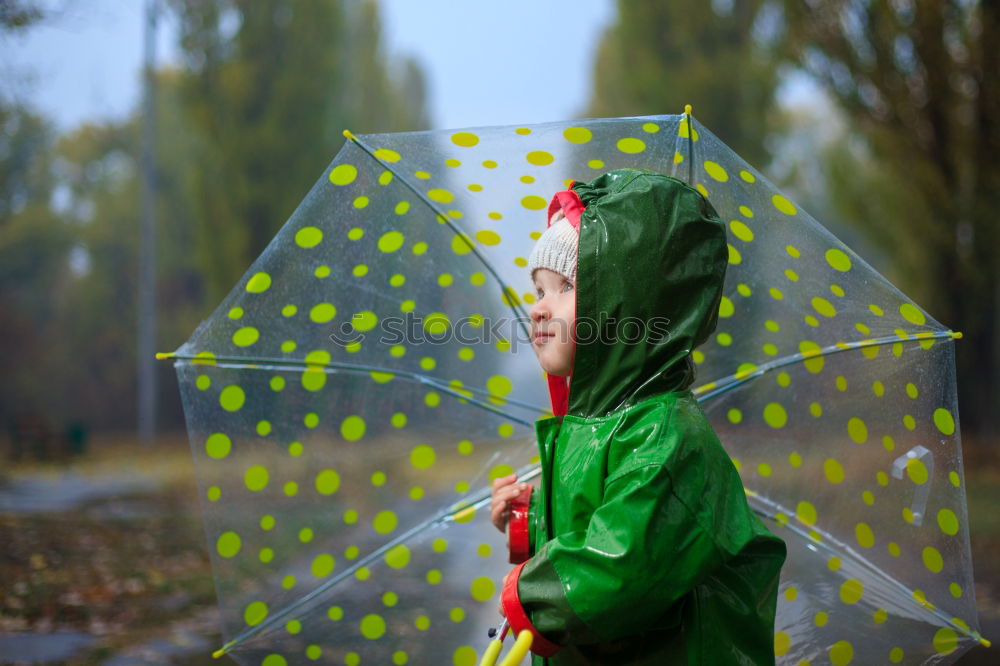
x: 556, y: 249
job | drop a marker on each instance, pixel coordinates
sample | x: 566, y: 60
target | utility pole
x: 147, y: 240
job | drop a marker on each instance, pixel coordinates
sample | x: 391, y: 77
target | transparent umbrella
x: 350, y: 400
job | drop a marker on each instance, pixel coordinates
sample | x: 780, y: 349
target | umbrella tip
x: 687, y: 109
x: 162, y: 355
x: 985, y: 642
x: 348, y: 135
x: 957, y: 335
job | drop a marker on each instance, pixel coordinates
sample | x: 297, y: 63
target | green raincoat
x: 643, y: 548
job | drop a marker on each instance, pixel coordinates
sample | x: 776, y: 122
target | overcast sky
x: 519, y: 61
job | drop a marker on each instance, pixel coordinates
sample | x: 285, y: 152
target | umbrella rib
x: 360, y: 369
x: 730, y: 382
x: 453, y: 513
x: 821, y: 543
x: 442, y: 215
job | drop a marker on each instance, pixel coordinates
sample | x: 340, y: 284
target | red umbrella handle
x: 517, y: 528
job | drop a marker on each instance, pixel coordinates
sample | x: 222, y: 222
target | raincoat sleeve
x: 645, y: 547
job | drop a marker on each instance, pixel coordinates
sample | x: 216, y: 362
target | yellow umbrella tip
x: 985, y: 642
x: 687, y: 109
x: 162, y: 355
x: 957, y: 335
x: 348, y: 135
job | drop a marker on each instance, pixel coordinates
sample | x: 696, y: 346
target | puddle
x: 54, y: 493
x: 42, y: 648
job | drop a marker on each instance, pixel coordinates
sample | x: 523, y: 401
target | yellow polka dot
x: 540, y: 158
x: 775, y: 415
x: 440, y: 196
x: 343, y: 174
x: 781, y: 643
x: 945, y: 422
x: 932, y: 559
x: 385, y: 522
x: 534, y: 203
x: 747, y: 176
x: 945, y: 640
x: 482, y: 589
x: 947, y: 521
x: 783, y: 205
x: 880, y: 616
x: 841, y: 653
x: 259, y: 283
x: 820, y: 619
x: 741, y: 231
x: 422, y: 457
x: 372, y: 627
x: 487, y: 237
x: 631, y: 146
x: 577, y: 135
x: 716, y: 171
x: 896, y: 655
x: 255, y: 613
x: 650, y: 128
x: 791, y: 593
x: 464, y: 656
x: 308, y: 237
x: 851, y: 591
x: 327, y: 482
x: 838, y: 260
x: 764, y: 469
x: 322, y: 565
x: 833, y: 564
x: 893, y: 548
x: 464, y: 139
x: 794, y: 459
x: 387, y: 155
x: 823, y: 306
x: 228, y: 544
x: 352, y: 428
x: 912, y: 314
x: 398, y: 557
x: 954, y: 479
x: 917, y: 471
x: 833, y: 470
x: 218, y: 445
x: 863, y: 533
x: 806, y: 513
x: 857, y: 430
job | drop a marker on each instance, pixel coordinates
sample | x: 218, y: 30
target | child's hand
x: 504, y: 490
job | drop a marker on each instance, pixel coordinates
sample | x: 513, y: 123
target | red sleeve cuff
x: 518, y: 528
x: 518, y: 619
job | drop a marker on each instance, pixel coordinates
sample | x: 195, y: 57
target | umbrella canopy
x: 350, y: 400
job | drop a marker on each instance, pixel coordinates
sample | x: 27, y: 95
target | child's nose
x: 539, y: 310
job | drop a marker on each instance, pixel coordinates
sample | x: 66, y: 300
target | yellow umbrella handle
x: 521, y: 647
x: 491, y: 653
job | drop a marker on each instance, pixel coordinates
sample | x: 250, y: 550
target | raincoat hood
x: 652, y: 261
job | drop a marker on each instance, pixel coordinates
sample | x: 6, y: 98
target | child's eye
x: 567, y: 286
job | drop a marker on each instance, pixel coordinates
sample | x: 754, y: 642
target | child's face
x: 552, y: 318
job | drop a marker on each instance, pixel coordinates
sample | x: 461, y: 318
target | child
x: 642, y: 547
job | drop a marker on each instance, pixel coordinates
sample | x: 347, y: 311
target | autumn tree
x: 659, y: 56
x: 919, y: 83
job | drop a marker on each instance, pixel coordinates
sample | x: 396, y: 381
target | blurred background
x: 149, y: 150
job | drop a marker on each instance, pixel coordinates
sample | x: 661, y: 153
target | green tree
x: 659, y: 56
x: 269, y: 86
x: 918, y: 172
